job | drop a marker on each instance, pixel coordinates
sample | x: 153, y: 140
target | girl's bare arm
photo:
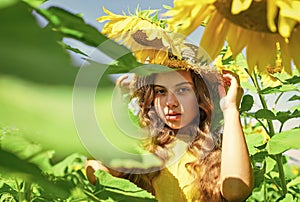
x: 236, y: 170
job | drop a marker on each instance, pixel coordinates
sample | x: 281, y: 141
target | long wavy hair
x: 204, y: 145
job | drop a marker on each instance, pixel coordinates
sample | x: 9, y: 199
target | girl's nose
x: 171, y: 100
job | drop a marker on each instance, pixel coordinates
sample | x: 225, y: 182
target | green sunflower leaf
x: 284, y: 141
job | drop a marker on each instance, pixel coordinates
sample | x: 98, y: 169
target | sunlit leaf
x: 20, y: 146
x: 34, y: 3
x: 252, y: 141
x: 270, y: 164
x: 284, y: 141
x: 295, y: 181
x: 247, y: 85
x: 121, y: 189
x: 241, y: 61
x: 61, y: 168
x: 278, y: 89
x: 287, y: 198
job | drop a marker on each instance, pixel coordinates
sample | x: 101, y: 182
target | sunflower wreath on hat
x: 152, y: 41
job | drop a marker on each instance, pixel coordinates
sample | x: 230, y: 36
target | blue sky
x: 92, y: 9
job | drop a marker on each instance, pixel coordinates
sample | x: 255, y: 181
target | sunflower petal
x: 239, y: 6
x: 261, y: 51
x: 272, y: 11
x: 285, y: 54
x: 214, y: 35
x: 186, y: 16
x: 289, y: 9
x: 237, y: 38
x: 285, y: 26
x: 293, y: 46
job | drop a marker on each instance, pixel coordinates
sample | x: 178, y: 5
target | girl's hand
x: 122, y: 84
x: 232, y: 99
x: 91, y: 166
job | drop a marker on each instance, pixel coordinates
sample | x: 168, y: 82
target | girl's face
x: 175, y: 101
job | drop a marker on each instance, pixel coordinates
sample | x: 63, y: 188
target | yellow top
x: 171, y: 185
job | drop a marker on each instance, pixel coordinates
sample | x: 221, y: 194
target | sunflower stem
x: 281, y: 127
x: 272, y: 133
x: 278, y: 158
x: 277, y: 99
x: 263, y: 125
x: 264, y: 104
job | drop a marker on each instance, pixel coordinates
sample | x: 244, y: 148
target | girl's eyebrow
x: 158, y: 86
x: 179, y: 84
x: 183, y: 83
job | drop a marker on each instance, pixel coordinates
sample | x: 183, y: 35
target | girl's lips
x: 172, y: 117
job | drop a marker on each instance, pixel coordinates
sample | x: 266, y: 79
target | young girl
x: 200, y: 163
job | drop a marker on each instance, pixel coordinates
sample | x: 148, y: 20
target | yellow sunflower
x: 146, y: 36
x: 267, y: 79
x: 251, y: 24
x: 233, y: 66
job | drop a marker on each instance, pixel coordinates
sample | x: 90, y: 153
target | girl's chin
x: 175, y: 126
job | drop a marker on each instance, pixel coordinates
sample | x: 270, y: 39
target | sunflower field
x: 42, y: 119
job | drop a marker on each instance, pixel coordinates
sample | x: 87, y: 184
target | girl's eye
x: 183, y: 90
x: 160, y: 91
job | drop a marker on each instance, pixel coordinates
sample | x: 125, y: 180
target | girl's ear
x: 202, y: 114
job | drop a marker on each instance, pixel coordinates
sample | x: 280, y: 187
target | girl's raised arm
x: 236, y: 170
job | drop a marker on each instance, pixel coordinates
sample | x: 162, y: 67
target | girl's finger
x: 119, y: 81
x: 231, y: 80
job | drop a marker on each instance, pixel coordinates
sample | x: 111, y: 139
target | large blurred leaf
x: 284, y: 141
x: 6, y: 3
x: 30, y: 52
x: 119, y: 189
x: 35, y: 3
x: 42, y: 114
x: 26, y: 150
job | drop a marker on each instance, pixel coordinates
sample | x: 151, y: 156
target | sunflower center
x: 254, y: 18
